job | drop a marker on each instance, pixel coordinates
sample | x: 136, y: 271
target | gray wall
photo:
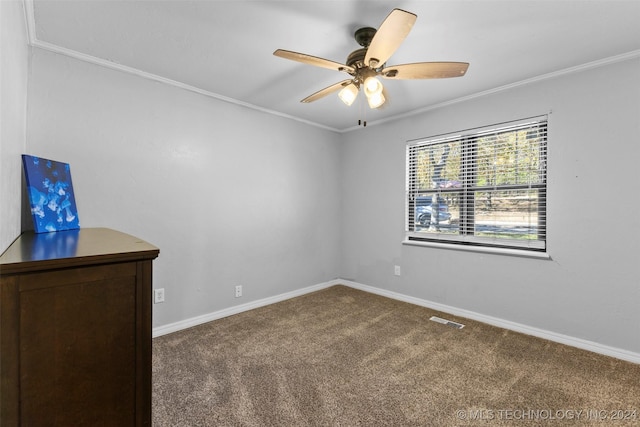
x: 231, y: 196
x: 235, y: 196
x: 14, y: 57
x: 590, y: 289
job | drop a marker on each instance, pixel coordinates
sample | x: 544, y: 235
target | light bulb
x: 348, y: 94
x: 372, y: 86
x: 376, y: 100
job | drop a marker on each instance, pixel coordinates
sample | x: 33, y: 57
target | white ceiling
x: 224, y: 48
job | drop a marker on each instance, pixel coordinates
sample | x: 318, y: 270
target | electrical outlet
x: 396, y: 270
x: 238, y: 291
x: 158, y: 295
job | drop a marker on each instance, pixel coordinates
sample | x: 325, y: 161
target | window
x: 482, y: 187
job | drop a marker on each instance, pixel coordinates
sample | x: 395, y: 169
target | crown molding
x: 29, y: 16
x: 33, y: 41
x: 154, y: 77
x: 571, y: 70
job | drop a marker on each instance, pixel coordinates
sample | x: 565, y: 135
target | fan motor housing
x: 356, y: 58
x: 363, y: 36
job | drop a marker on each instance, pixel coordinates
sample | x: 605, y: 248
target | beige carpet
x: 343, y: 357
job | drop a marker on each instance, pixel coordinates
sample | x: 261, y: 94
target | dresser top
x: 70, y: 248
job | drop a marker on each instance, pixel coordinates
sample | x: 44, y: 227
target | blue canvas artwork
x: 53, y: 205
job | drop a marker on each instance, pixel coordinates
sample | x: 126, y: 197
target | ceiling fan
x: 369, y: 62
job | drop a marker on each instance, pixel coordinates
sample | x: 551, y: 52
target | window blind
x: 484, y: 186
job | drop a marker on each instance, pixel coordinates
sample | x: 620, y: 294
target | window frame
x: 465, y: 237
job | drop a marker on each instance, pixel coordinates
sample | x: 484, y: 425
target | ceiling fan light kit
x: 349, y: 94
x: 372, y: 86
x: 376, y: 100
x: 366, y: 64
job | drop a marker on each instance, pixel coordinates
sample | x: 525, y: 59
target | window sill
x: 482, y: 249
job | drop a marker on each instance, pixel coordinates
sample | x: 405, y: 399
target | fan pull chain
x: 364, y: 119
x: 362, y: 122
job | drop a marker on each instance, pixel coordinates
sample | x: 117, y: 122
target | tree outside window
x: 481, y: 187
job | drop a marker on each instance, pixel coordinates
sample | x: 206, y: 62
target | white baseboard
x: 501, y: 323
x: 505, y: 324
x: 198, y: 320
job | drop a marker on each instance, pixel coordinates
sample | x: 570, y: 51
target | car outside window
x: 482, y: 187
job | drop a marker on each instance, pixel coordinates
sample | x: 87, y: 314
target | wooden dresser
x: 75, y: 329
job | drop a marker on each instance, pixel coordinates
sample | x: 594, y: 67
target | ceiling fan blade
x: 326, y: 91
x: 392, y: 32
x: 313, y: 60
x: 425, y: 70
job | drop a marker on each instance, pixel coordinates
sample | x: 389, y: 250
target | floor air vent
x: 447, y: 322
